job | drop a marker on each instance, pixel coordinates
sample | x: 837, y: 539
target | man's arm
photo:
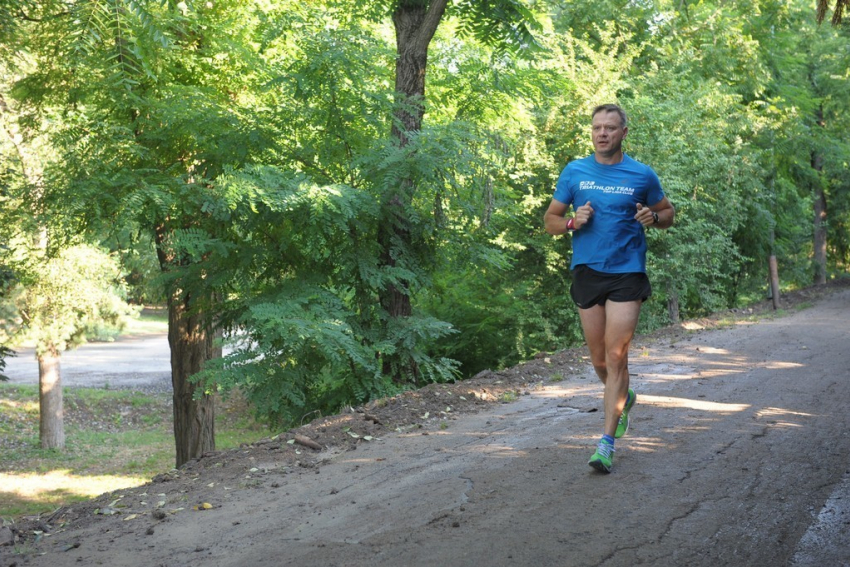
x: 663, y: 208
x: 554, y: 221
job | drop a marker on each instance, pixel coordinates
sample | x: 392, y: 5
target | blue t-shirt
x: 612, y: 241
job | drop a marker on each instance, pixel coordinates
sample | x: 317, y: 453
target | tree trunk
x: 672, y: 302
x: 415, y: 23
x: 191, y: 339
x: 774, y: 281
x: 819, y: 237
x: 51, y: 414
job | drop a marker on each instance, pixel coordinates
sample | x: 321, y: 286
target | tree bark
x: 672, y: 302
x: 51, y: 413
x: 820, y: 230
x: 415, y: 23
x: 191, y: 339
x: 774, y: 282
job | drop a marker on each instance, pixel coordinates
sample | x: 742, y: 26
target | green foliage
x: 298, y: 349
x: 5, y: 352
x: 243, y: 149
x: 136, y: 252
x: 504, y: 25
x: 62, y: 299
x: 306, y: 330
x: 708, y: 178
x: 500, y: 320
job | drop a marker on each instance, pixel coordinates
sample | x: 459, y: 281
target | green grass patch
x: 113, y: 439
x: 508, y: 397
x: 148, y: 323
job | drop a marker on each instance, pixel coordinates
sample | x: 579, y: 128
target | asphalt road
x: 139, y: 362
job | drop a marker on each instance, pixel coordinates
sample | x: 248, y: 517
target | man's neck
x: 613, y: 159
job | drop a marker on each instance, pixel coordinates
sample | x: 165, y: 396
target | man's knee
x: 620, y: 352
x: 617, y: 356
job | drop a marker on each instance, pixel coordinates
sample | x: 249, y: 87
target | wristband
x: 571, y: 223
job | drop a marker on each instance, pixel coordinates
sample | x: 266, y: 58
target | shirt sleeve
x: 654, y: 192
x: 563, y: 191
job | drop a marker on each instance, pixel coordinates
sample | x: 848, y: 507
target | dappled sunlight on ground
x: 697, y: 326
x: 780, y: 417
x: 724, y: 369
x: 35, y: 486
x: 779, y: 365
x: 22, y: 405
x: 702, y: 405
x: 559, y: 392
x: 502, y: 451
x: 701, y: 364
x: 781, y: 412
x: 648, y: 444
x: 712, y: 350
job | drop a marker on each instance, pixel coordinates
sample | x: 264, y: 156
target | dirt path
x: 738, y: 455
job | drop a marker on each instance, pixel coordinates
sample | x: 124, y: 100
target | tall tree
x: 156, y: 102
x: 320, y: 237
x: 506, y: 23
x: 415, y: 23
x: 59, y: 299
x: 810, y: 88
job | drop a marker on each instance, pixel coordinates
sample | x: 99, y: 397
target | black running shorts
x: 591, y: 287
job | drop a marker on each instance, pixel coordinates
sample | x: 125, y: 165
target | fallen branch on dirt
x: 307, y: 442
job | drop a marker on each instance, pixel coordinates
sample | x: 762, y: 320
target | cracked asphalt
x: 738, y: 454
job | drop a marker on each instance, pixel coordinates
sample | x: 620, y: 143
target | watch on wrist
x: 654, y: 217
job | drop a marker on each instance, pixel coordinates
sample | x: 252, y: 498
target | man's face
x: 607, y: 133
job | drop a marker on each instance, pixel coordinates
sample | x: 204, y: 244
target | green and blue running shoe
x: 603, y: 459
x: 623, y: 424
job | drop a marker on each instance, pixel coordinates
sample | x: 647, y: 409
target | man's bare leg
x: 608, y: 331
x: 593, y: 325
x: 621, y: 322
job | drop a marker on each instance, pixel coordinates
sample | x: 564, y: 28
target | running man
x: 614, y: 199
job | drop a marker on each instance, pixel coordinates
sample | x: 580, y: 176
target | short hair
x: 624, y: 121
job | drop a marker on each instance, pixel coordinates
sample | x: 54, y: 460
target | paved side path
x: 140, y: 362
